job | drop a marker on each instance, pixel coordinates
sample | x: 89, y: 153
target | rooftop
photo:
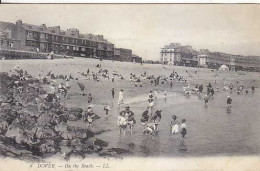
x: 55, y: 30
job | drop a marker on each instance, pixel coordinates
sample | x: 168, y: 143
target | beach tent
x: 223, y: 68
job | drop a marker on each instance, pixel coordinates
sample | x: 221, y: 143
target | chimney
x: 44, y: 26
x: 19, y: 22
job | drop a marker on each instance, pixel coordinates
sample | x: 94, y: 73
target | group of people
x: 126, y: 118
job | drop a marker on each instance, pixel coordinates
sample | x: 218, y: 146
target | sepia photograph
x: 129, y: 87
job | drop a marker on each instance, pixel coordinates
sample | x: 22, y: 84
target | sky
x: 145, y: 28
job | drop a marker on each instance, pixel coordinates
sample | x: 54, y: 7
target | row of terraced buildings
x: 42, y: 39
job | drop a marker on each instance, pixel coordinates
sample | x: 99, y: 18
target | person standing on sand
x: 165, y: 94
x: 171, y: 84
x: 150, y: 96
x: 107, y: 108
x: 253, y: 88
x: 82, y: 88
x: 120, y: 97
x: 113, y: 79
x: 151, y: 104
x: 200, y: 88
x: 113, y: 93
x: 229, y: 101
x: 89, y: 98
x: 155, y: 94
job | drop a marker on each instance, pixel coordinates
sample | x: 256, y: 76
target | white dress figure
x: 120, y: 97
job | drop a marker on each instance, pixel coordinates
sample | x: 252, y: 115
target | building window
x: 29, y: 43
x: 29, y: 34
x: 42, y: 36
x: 35, y: 34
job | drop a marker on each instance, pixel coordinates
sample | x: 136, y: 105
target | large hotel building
x: 177, y: 54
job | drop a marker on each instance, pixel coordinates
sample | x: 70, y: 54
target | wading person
x: 183, y: 128
x: 156, y: 118
x: 200, y: 88
x: 131, y: 121
x: 127, y: 112
x: 229, y: 101
x: 151, y: 128
x: 145, y: 117
x: 174, y: 125
x: 122, y: 123
x: 206, y: 99
x: 89, y: 116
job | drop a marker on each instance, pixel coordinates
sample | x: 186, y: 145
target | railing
x: 19, y: 54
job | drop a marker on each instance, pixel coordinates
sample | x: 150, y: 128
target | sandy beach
x: 211, y: 130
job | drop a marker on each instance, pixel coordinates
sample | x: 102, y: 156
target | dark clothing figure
x: 229, y: 100
x: 145, y: 117
x: 89, y: 98
x: 253, y: 89
x: 201, y: 88
x: 113, y: 93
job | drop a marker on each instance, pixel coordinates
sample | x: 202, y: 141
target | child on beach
x: 113, y: 93
x: 113, y: 79
x: 150, y: 101
x: 150, y: 96
x: 121, y: 97
x: 122, y: 123
x: 206, y: 99
x: 145, y: 117
x: 89, y: 98
x: 89, y: 116
x: 155, y: 94
x: 174, y: 125
x: 131, y: 121
x: 183, y: 128
x: 107, y: 108
x: 151, y: 128
x: 253, y: 89
x: 165, y: 94
x: 229, y: 101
